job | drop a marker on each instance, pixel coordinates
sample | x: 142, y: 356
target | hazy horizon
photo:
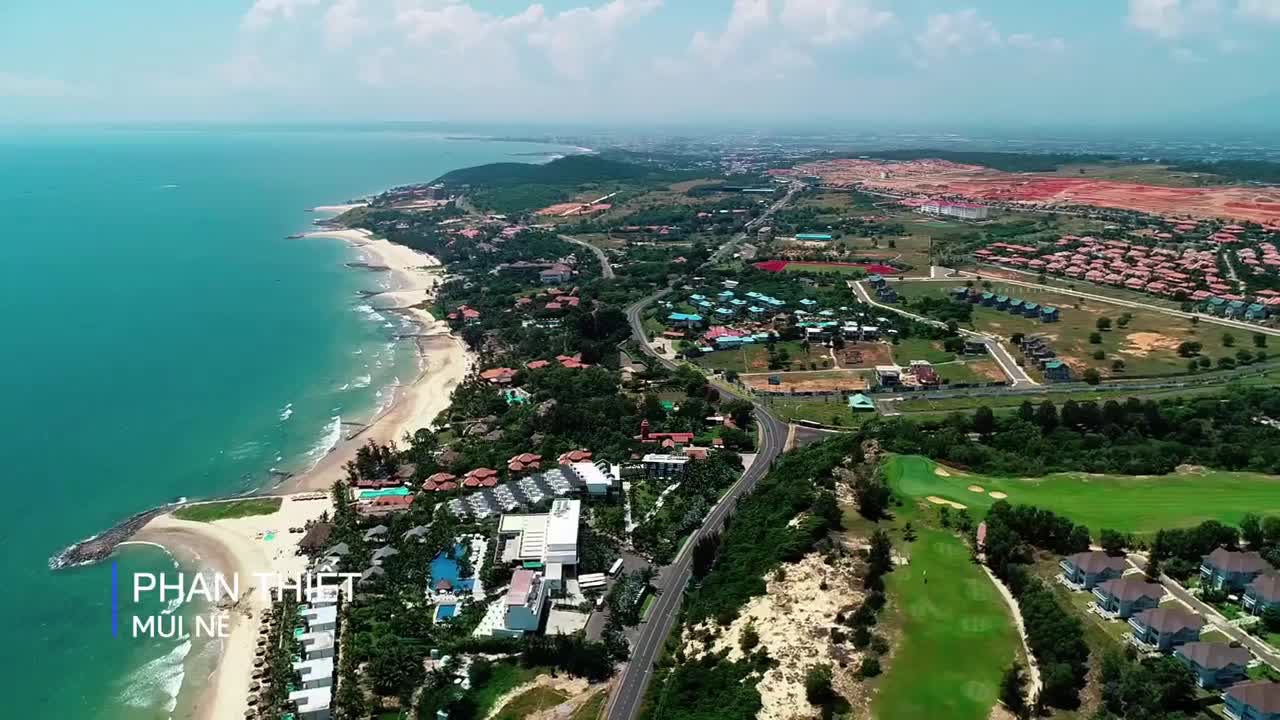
x: 997, y: 64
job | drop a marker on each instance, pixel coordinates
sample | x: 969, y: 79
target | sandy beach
x: 443, y: 359
x: 237, y: 547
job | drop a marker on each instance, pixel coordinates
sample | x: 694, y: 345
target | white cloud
x: 264, y: 13
x: 343, y: 22
x: 576, y: 38
x: 18, y: 85
x: 1027, y: 41
x: 1168, y: 19
x: 745, y: 19
x: 1268, y: 10
x: 828, y: 22
x: 959, y: 32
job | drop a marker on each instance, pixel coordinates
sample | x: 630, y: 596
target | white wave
x: 170, y: 186
x: 345, y: 386
x: 332, y: 436
x: 362, y: 381
x: 359, y: 351
x: 286, y: 412
x: 244, y: 450
x: 157, y: 683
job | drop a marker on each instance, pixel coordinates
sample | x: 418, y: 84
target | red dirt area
x: 1234, y: 203
x: 572, y: 208
x: 780, y: 265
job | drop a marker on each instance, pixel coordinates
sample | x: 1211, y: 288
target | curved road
x: 605, y: 268
x: 633, y: 680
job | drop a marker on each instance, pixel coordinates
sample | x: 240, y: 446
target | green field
x: 957, y: 635
x: 1147, y: 344
x: 830, y: 269
x: 908, y: 349
x: 1137, y: 504
x: 208, y: 512
x: 755, y: 358
x: 828, y: 411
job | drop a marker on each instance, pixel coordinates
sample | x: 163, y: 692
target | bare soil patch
x: 1144, y: 343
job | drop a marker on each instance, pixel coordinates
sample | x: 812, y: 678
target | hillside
x: 572, y: 170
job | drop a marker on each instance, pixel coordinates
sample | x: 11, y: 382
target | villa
x: 1215, y: 665
x: 1231, y: 570
x: 665, y: 466
x: 1262, y: 594
x: 1127, y: 596
x: 1253, y: 701
x: 1164, y: 629
x: 1085, y: 570
x: 861, y: 403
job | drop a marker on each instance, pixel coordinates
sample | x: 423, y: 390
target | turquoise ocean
x: 163, y: 339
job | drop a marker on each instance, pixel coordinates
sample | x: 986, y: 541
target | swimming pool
x: 444, y: 612
x: 389, y: 492
x: 444, y: 567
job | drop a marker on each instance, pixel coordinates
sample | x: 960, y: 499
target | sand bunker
x: 976, y: 488
x: 943, y: 501
x: 999, y: 495
x: 941, y: 472
x: 1144, y: 343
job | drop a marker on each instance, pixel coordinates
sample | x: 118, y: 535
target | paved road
x: 1261, y: 650
x: 634, y: 678
x: 1016, y: 374
x: 605, y: 269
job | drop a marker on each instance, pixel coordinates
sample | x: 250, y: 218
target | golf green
x: 957, y: 635
x: 1138, y: 504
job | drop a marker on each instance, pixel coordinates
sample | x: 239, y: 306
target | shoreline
x: 443, y: 360
x: 235, y: 546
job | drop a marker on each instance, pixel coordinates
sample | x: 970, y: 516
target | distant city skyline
x: 1088, y: 63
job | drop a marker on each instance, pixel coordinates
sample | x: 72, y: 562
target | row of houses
x: 1011, y: 305
x: 1170, y: 628
x: 1038, y: 350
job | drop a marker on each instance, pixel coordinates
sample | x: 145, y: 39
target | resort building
x: 320, y: 619
x: 317, y: 645
x: 548, y: 540
x: 1215, y: 665
x: 1085, y: 570
x: 664, y: 466
x: 1231, y: 570
x: 1125, y: 597
x: 313, y: 703
x: 315, y: 673
x: 598, y: 478
x: 861, y: 403
x: 1262, y: 595
x: 962, y: 210
x: 1252, y: 701
x: 1164, y: 629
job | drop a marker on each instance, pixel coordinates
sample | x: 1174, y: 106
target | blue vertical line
x: 115, y: 600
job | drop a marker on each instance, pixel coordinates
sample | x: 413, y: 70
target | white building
x: 598, y: 477
x: 962, y: 210
x: 320, y: 619
x: 550, y: 538
x: 524, y: 603
x: 664, y: 466
x: 317, y: 645
x: 315, y: 673
x: 313, y: 703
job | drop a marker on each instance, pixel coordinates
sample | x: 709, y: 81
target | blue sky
x: 910, y: 63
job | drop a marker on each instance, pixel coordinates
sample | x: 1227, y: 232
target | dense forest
x: 1133, y: 437
x: 571, y: 170
x: 1007, y: 161
x: 1259, y: 171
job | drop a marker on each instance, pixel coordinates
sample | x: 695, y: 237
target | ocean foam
x: 157, y: 683
x: 362, y: 381
x: 286, y: 412
x: 332, y: 436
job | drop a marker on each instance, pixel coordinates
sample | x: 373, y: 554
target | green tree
x: 817, y: 685
x: 1251, y: 530
x: 749, y: 638
x: 984, y: 420
x: 1092, y: 376
x: 1103, y: 324
x: 1117, y: 365
x: 1013, y: 690
x: 1113, y: 542
x: 1099, y: 355
x: 1228, y: 340
x: 1259, y: 340
x: 1095, y: 338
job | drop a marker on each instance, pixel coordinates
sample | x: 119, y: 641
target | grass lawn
x: 755, y: 358
x: 529, y: 702
x: 591, y: 709
x: 834, y: 411
x: 1147, y: 344
x: 904, y: 351
x: 649, y: 598
x: 971, y: 371
x: 832, y: 269
x: 506, y: 677
x: 956, y: 639
x: 208, y: 512
x: 1135, y: 504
